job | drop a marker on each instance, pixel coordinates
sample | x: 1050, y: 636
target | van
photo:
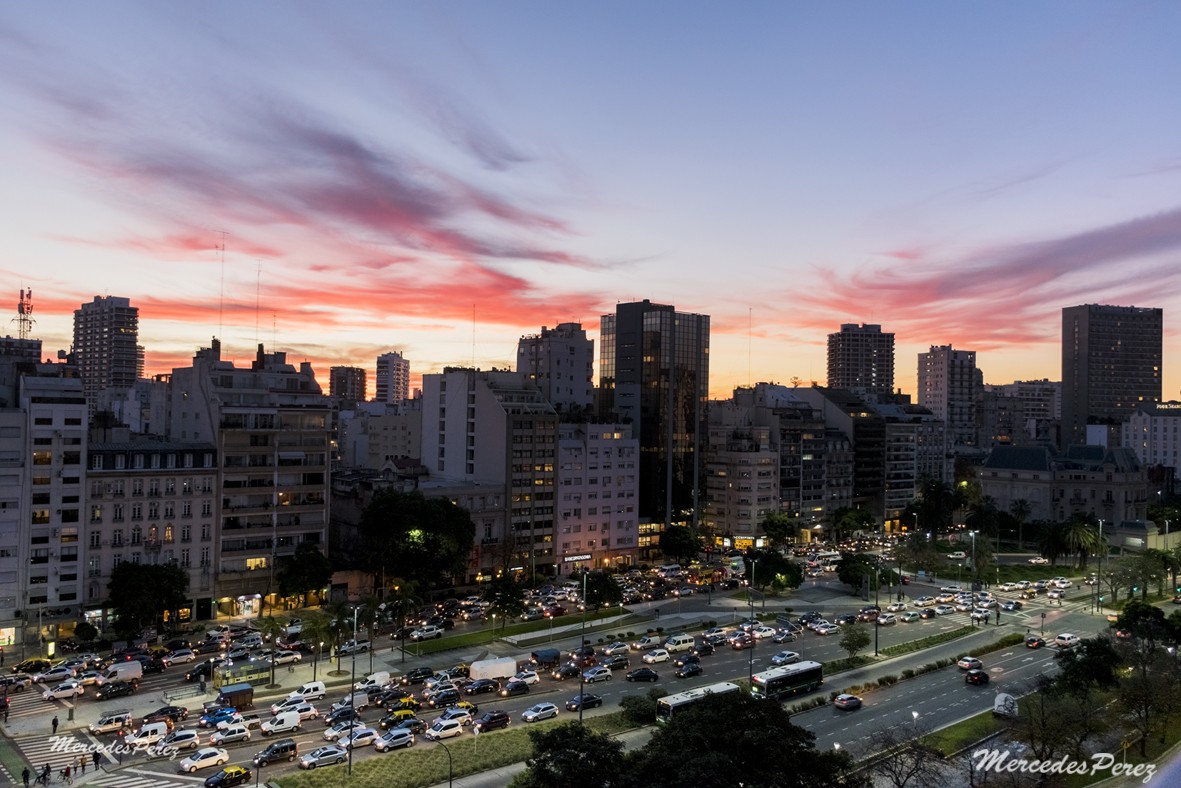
x: 285, y: 722
x: 679, y: 643
x: 647, y: 642
x: 312, y: 690
x: 283, y: 749
x: 378, y: 679
x: 132, y: 670
x: 360, y: 700
x: 148, y: 734
x: 669, y: 570
x: 1066, y: 641
x: 111, y: 722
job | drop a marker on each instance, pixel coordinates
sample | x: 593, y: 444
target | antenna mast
x: 221, y: 296
x: 24, y: 314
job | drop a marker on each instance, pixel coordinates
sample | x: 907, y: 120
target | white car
x: 527, y: 676
x: 763, y: 631
x: 896, y: 607
x: 204, y: 758
x: 290, y: 703
x: 287, y: 657
x: 542, y: 711
x: 179, y: 656
x: 618, y: 647
x: 443, y: 729
x: 1066, y: 640
x: 342, y: 729
x: 361, y: 737
x: 60, y: 673
x: 885, y: 619
x: 1007, y: 587
x: 924, y: 601
x: 67, y: 689
x: 1039, y: 561
x: 94, y: 677
x: 656, y: 655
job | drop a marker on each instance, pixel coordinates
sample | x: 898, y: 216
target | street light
x: 316, y: 664
x: 754, y: 563
x: 581, y: 644
x: 450, y: 770
x: 352, y: 682
x: 272, y: 650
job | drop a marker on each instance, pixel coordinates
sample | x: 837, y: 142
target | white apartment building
x: 598, y: 489
x: 1153, y: 433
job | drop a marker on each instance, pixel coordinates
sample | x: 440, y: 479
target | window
x: 117, y: 538
x: 137, y: 462
x: 186, y: 509
x: 136, y: 536
x: 169, y: 510
x: 170, y: 486
x: 205, y: 533
x: 96, y: 462
x: 117, y: 512
x: 206, y: 509
x: 168, y: 533
x: 95, y: 540
x: 184, y: 557
x: 186, y: 533
x: 137, y: 487
x: 137, y: 511
x: 204, y: 556
x: 154, y: 488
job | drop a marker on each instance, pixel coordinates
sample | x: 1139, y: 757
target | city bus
x: 669, y: 705
x: 778, y: 683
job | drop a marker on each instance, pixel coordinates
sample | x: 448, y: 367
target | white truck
x: 497, y: 668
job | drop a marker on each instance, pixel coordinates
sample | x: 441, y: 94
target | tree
x: 141, y: 593
x: 85, y: 632
x: 689, y: 751
x: 602, y: 591
x: 1145, y: 622
x: 306, y: 571
x: 680, y: 543
x: 1050, y: 541
x: 848, y: 520
x: 984, y: 518
x: 1020, y: 509
x: 641, y: 709
x: 854, y: 569
x: 1080, y: 537
x: 505, y: 596
x: 901, y: 758
x: 1148, y: 691
x: 855, y: 638
x: 418, y: 539
x: 780, y: 528
x: 568, y: 755
x: 770, y: 568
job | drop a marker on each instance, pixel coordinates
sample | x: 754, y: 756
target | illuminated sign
x: 584, y: 557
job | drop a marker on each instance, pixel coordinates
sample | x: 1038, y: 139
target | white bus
x: 669, y: 705
x: 778, y: 683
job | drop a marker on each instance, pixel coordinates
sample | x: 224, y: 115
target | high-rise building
x: 560, y: 361
x: 949, y: 386
x: 861, y: 360
x: 596, y: 523
x: 393, y: 378
x: 654, y: 371
x: 346, y: 384
x: 106, y: 349
x: 1111, y: 364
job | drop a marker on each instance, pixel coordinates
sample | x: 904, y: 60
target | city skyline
x: 442, y: 180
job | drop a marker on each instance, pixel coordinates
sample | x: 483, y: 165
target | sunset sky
x: 440, y: 178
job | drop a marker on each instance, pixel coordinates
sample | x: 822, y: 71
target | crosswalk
x: 61, y: 750
x: 141, y: 778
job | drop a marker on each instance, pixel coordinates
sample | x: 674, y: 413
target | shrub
x: 638, y: 709
x: 908, y: 673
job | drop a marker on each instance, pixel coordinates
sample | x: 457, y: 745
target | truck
x: 131, y: 670
x: 546, y: 658
x: 239, y: 696
x: 497, y: 668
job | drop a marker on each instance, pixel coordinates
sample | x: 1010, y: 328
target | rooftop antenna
x: 24, y: 314
x: 473, y: 336
x: 221, y: 296
x: 749, y: 331
x: 257, y: 286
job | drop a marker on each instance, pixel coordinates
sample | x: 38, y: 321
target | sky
x: 339, y: 180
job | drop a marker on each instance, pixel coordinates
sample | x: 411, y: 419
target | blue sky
x: 440, y: 178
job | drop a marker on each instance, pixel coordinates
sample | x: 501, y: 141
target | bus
x: 778, y: 683
x: 669, y: 705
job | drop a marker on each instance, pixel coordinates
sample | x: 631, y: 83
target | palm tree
x: 1020, y: 509
x: 271, y: 629
x: 314, y: 631
x: 1050, y: 542
x: 1080, y: 536
x: 984, y: 517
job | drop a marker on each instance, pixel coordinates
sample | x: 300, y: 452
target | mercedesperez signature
x: 68, y: 744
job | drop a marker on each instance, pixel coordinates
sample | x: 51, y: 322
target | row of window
x: 153, y: 511
x: 118, y: 462
x: 115, y: 488
x: 154, y: 534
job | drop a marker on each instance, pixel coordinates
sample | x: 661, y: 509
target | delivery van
x: 312, y: 690
x: 132, y: 670
x: 286, y: 722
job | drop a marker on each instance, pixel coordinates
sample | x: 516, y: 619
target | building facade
x: 950, y: 385
x: 347, y: 384
x: 1153, y: 433
x: 560, y: 362
x: 393, y: 378
x: 861, y: 360
x: 1111, y: 364
x: 654, y: 373
x: 106, y: 346
x: 597, y: 520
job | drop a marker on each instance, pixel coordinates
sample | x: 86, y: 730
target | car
x: 963, y: 606
x: 828, y: 629
x: 927, y: 613
x: 60, y: 673
x: 343, y: 728
x: 886, y: 619
x: 341, y: 715
x: 782, y: 635
x: 17, y: 682
x: 323, y: 756
x: 539, y: 712
x: 514, y: 687
x: 845, y: 618
x: 221, y: 714
x: 596, y: 674
x: 445, y: 697
x: 567, y: 671
x: 182, y: 739
x: 1066, y: 640
x: 416, y: 675
x: 1012, y: 605
x: 656, y: 655
x: 1055, y: 593
x: 958, y: 555
x: 1039, y: 561
x: 527, y: 676
x: 642, y: 674
x: 846, y: 701
x: 429, y: 632
x: 980, y: 614
x: 181, y: 655
x: 286, y: 657
x: 763, y: 631
x: 491, y: 720
x: 67, y: 689
x: 944, y: 610
x: 896, y: 607
x: 1034, y: 641
x: 229, y: 776
x: 688, y: 670
x: 230, y: 734
x: 713, y: 631
x: 785, y: 658
x: 482, y: 686
x: 171, y: 714
x: 392, y: 719
x: 910, y: 616
x: 360, y: 737
x: 412, y: 724
x: 353, y: 647
x: 393, y: 740
x: 975, y: 676
x: 969, y: 663
x: 584, y: 701
x: 444, y: 729
x: 203, y: 758
x: 620, y: 661
x: 115, y: 689
x: 925, y: 601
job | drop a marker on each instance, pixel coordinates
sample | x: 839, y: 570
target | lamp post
x: 450, y: 770
x: 272, y: 650
x: 877, y: 587
x: 750, y: 673
x: 316, y: 664
x: 1098, y: 573
x: 975, y: 567
x: 353, y: 683
x: 581, y: 644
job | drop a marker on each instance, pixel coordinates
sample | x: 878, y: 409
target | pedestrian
x: 54, y: 723
x: 5, y: 715
x: 96, y: 760
x: 25, y: 776
x: 81, y: 764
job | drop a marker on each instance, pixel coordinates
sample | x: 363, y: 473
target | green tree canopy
x: 854, y: 638
x: 680, y: 543
x: 505, y: 596
x: 140, y: 593
x: 602, y: 591
x: 853, y: 568
x: 306, y: 571
x: 571, y: 754
x: 780, y: 529
x: 419, y: 539
x: 772, y: 569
